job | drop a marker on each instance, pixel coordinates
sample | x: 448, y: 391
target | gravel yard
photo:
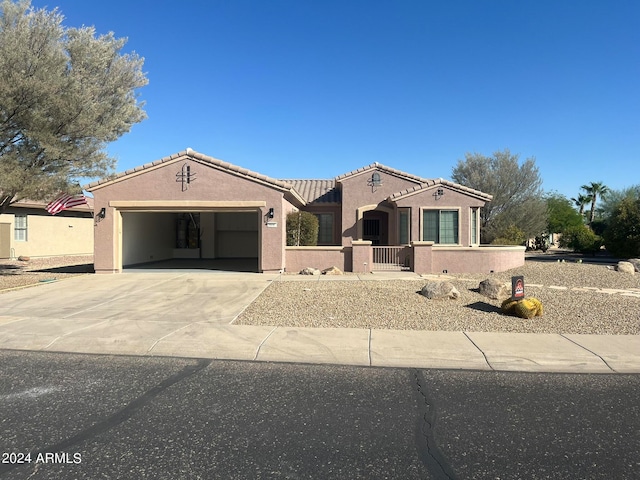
x: 395, y: 304
x: 16, y: 273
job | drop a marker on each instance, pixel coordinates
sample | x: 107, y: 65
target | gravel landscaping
x: 396, y: 304
x: 17, y: 273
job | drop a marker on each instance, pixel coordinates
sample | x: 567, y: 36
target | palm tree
x: 580, y: 202
x: 595, y: 190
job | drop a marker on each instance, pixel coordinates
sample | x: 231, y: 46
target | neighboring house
x: 190, y: 205
x: 27, y: 229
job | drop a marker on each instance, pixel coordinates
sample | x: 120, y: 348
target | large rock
x: 626, y: 267
x: 439, y: 290
x: 24, y: 258
x: 309, y: 271
x: 494, y: 289
x: 635, y: 262
x: 332, y: 271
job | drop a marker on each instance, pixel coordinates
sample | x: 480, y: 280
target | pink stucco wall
x: 451, y: 200
x: 427, y: 259
x: 210, y: 184
x: 298, y: 258
x: 483, y: 259
x: 356, y: 193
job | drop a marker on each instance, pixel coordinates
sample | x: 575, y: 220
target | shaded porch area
x: 196, y: 264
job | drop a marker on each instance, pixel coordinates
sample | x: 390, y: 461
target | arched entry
x: 375, y: 227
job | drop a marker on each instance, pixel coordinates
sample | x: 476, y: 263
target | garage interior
x: 206, y: 240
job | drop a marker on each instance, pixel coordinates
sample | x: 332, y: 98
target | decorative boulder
x: 635, y: 262
x: 332, y: 271
x: 438, y: 290
x: 626, y: 267
x: 494, y: 289
x: 24, y: 258
x: 309, y: 271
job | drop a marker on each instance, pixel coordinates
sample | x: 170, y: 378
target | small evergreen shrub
x: 302, y: 229
x: 511, y: 235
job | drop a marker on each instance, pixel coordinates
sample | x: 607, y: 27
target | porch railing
x: 391, y: 258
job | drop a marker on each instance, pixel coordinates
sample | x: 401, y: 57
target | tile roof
x: 300, y: 191
x: 198, y: 156
x: 317, y: 191
x: 214, y: 162
x: 384, y: 168
x: 439, y: 181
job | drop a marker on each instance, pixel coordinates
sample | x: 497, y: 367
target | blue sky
x: 313, y: 89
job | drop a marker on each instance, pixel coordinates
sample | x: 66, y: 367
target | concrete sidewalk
x: 109, y: 318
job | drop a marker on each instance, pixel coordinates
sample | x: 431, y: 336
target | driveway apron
x: 134, y: 310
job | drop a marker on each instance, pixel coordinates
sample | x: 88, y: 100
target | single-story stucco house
x: 28, y: 230
x: 190, y: 205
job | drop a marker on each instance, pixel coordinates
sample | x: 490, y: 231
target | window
x: 403, y: 226
x: 440, y: 226
x: 325, y: 228
x: 20, y: 228
x: 474, y: 226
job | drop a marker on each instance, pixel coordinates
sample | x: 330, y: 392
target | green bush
x: 580, y: 238
x: 302, y: 229
x: 622, y: 236
x: 511, y: 235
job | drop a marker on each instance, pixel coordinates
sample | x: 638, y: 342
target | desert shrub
x: 302, y: 229
x: 622, y: 236
x: 511, y: 235
x: 580, y: 238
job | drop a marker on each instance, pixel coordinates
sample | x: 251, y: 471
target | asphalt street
x: 72, y: 416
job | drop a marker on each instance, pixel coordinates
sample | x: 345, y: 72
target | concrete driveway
x: 131, y: 309
x: 170, y: 297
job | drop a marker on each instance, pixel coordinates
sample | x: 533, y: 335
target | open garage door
x: 208, y: 240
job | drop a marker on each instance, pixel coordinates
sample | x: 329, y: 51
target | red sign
x: 517, y: 288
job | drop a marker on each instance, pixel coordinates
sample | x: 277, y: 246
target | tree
x: 581, y: 239
x: 64, y: 94
x: 613, y: 199
x: 302, y: 229
x: 595, y: 190
x: 561, y: 214
x: 516, y: 189
x: 622, y: 235
x: 581, y: 201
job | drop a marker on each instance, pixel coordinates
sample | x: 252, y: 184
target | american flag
x: 65, y: 201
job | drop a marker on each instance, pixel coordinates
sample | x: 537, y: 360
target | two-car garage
x: 193, y: 210
x: 193, y: 238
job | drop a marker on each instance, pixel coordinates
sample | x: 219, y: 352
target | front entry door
x: 374, y: 227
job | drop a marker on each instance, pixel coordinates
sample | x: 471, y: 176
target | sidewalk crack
x: 591, y: 352
x: 480, y: 350
x: 262, y: 343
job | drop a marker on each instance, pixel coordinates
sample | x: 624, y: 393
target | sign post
x: 517, y: 287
